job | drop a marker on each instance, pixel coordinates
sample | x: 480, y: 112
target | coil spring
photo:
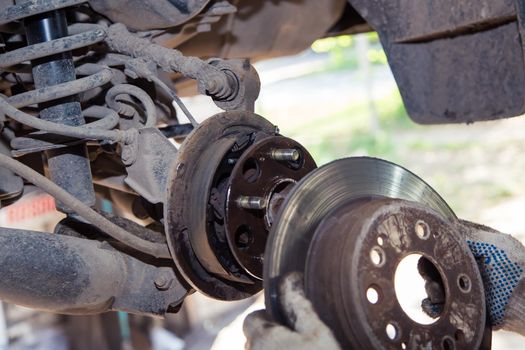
x: 81, y: 35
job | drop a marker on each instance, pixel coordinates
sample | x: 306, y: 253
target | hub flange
x: 257, y: 187
x: 224, y: 190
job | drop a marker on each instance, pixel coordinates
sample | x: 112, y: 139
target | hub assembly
x: 227, y: 184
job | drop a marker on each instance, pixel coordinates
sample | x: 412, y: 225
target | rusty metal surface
x: 320, y: 192
x: 32, y: 7
x: 454, y: 62
x: 92, y: 35
x: 11, y: 185
x: 148, y: 173
x: 256, y: 174
x: 211, y: 80
x: 263, y: 29
x: 188, y: 202
x: 233, y: 85
x: 154, y: 14
x: 248, y: 82
x: 70, y: 275
x: 339, y: 259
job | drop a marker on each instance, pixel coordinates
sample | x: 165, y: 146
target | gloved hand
x: 501, y: 259
x: 306, y: 332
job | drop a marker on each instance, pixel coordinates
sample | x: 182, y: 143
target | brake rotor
x: 325, y: 189
x: 354, y: 255
x: 302, y: 240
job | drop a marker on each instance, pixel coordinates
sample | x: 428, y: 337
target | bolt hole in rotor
x: 377, y: 255
x: 392, y: 331
x: 448, y: 343
x: 372, y: 294
x: 243, y: 237
x: 251, y: 170
x: 410, y: 288
x: 422, y: 230
x: 464, y: 283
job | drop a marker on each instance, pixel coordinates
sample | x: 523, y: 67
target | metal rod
x: 285, y: 155
x: 76, y: 206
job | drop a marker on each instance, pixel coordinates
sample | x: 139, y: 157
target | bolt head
x: 163, y: 283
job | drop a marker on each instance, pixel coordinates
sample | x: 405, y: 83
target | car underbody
x: 89, y: 94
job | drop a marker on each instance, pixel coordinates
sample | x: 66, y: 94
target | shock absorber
x: 49, y: 51
x: 68, y: 167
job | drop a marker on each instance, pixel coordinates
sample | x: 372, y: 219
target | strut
x: 68, y: 166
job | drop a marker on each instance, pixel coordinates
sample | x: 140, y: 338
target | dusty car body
x: 87, y: 95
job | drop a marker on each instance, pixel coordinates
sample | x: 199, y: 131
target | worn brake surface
x: 339, y: 220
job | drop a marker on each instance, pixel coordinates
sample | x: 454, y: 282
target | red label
x: 30, y: 208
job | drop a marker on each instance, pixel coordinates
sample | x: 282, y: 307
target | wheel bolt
x: 285, y: 155
x: 248, y: 202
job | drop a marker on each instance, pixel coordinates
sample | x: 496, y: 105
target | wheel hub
x: 223, y: 195
x: 258, y: 184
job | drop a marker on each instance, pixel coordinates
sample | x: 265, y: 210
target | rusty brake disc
x: 342, y: 184
x: 355, y: 253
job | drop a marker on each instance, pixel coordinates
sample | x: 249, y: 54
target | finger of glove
x: 501, y: 259
x: 478, y: 233
x: 257, y: 324
x: 263, y: 334
x: 297, y: 309
x: 279, y: 338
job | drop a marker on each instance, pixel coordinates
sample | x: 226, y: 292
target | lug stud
x: 248, y: 202
x: 285, y: 155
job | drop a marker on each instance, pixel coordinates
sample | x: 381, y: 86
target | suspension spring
x: 50, y: 42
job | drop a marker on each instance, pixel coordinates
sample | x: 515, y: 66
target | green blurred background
x: 343, y: 102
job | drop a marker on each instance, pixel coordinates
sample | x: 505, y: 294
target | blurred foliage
x: 343, y: 53
x: 456, y: 162
x: 471, y: 171
x: 331, y: 44
x: 350, y: 131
